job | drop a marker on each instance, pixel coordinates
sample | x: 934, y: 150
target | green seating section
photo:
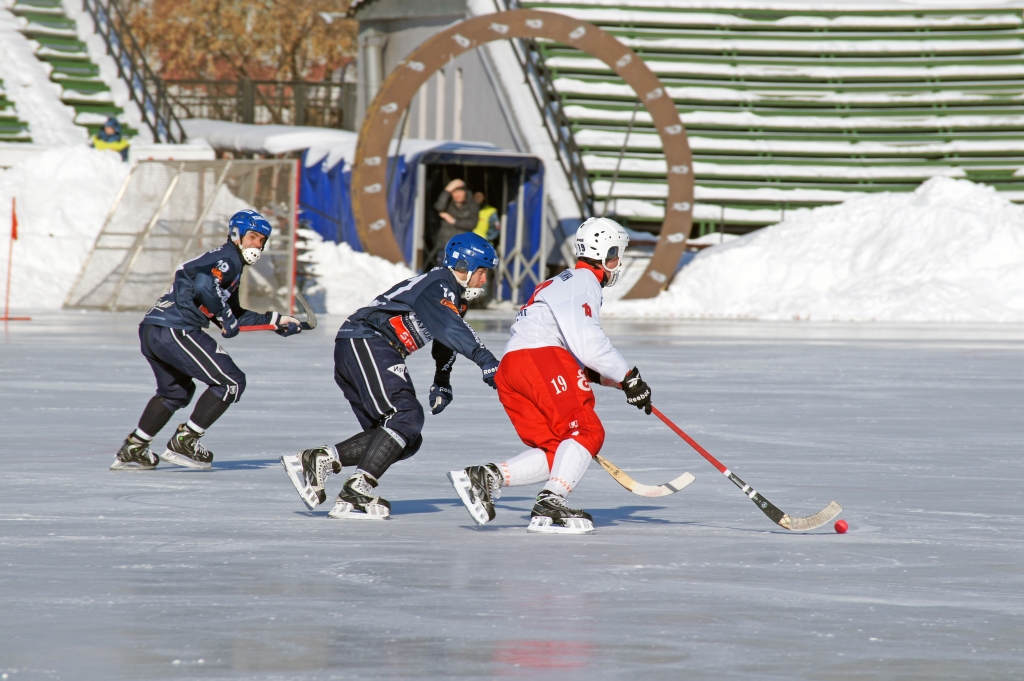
x: 791, y: 109
x: 82, y: 88
x: 12, y: 128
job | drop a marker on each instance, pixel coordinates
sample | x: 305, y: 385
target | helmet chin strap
x: 469, y: 293
x: 612, y: 274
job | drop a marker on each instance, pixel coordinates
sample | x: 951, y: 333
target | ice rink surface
x: 177, y: 574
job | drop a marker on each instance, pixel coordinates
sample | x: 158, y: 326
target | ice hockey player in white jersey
x: 557, y: 347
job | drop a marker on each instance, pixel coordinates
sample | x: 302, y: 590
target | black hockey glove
x: 228, y: 322
x: 440, y: 397
x: 490, y: 369
x: 637, y: 392
x: 286, y: 325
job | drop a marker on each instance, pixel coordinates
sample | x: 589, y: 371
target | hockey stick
x: 784, y: 520
x: 641, y: 489
x: 307, y: 325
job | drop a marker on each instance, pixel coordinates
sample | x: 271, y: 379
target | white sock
x: 527, y: 468
x: 571, y: 462
x: 143, y: 436
x: 196, y: 429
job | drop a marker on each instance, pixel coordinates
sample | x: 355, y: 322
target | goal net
x: 168, y: 212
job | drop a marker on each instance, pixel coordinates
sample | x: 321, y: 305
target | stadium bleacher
x: 12, y: 128
x: 789, y: 109
x: 46, y: 23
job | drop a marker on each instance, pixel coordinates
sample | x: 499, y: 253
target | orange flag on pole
x: 14, y: 219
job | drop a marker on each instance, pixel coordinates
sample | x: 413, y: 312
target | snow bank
x: 951, y: 251
x: 63, y: 197
x: 350, y: 279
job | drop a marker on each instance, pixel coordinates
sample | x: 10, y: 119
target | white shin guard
x: 527, y: 468
x: 571, y: 462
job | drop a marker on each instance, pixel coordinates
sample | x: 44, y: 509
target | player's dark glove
x: 490, y: 369
x: 440, y: 397
x: 286, y: 325
x: 228, y: 323
x: 637, y: 392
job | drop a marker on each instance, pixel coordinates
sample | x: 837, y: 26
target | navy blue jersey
x: 210, y: 283
x: 412, y: 313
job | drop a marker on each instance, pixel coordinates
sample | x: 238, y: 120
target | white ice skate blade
x: 542, y: 525
x: 345, y: 511
x: 293, y: 467
x: 119, y: 465
x: 460, y: 481
x: 178, y: 460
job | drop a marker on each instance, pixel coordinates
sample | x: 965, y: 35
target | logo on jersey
x: 587, y: 311
x: 450, y: 305
x: 220, y: 350
x: 400, y: 370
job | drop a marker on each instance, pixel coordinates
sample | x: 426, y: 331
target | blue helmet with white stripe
x: 248, y: 220
x: 243, y: 222
x: 468, y: 251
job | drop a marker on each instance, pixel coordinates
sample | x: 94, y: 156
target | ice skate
x: 357, y: 501
x: 183, y: 449
x: 134, y: 455
x: 478, y: 487
x: 551, y: 515
x: 308, y: 470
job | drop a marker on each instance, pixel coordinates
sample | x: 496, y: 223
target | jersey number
x: 560, y: 385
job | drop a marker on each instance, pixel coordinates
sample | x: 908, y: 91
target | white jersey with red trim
x: 565, y: 312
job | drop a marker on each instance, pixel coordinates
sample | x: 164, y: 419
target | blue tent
x: 325, y: 198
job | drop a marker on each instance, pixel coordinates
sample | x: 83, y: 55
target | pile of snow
x: 63, y: 196
x: 349, y: 279
x: 951, y: 251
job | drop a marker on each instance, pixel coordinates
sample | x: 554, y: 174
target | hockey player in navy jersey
x: 369, y: 367
x: 205, y: 290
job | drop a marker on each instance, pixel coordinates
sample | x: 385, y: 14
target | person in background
x: 487, y: 225
x: 458, y: 211
x: 110, y: 138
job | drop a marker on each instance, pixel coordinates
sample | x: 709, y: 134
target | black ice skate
x: 134, y: 455
x: 551, y: 515
x: 308, y: 470
x: 478, y: 487
x: 357, y: 501
x: 183, y: 449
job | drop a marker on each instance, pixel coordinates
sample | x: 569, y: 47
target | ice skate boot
x: 357, y: 501
x: 183, y: 449
x: 478, y: 487
x: 134, y: 455
x: 308, y: 470
x: 551, y: 515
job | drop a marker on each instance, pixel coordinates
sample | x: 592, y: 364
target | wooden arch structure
x: 369, y: 174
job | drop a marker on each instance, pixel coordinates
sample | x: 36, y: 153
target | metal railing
x: 324, y: 104
x: 146, y: 89
x: 558, y: 125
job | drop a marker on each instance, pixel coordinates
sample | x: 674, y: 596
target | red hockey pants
x: 548, y: 399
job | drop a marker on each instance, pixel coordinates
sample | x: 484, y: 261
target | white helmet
x: 600, y: 239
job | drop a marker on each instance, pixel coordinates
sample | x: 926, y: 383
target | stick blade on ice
x: 641, y: 489
x: 811, y: 522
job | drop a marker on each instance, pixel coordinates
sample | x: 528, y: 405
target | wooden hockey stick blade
x: 774, y: 513
x: 811, y: 522
x: 310, y: 322
x: 641, y: 489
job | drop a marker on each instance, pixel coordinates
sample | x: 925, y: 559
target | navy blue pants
x: 376, y: 382
x: 178, y: 356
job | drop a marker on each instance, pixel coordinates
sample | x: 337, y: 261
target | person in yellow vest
x: 110, y: 138
x: 488, y: 225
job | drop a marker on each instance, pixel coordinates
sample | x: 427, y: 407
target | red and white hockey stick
x: 784, y: 520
